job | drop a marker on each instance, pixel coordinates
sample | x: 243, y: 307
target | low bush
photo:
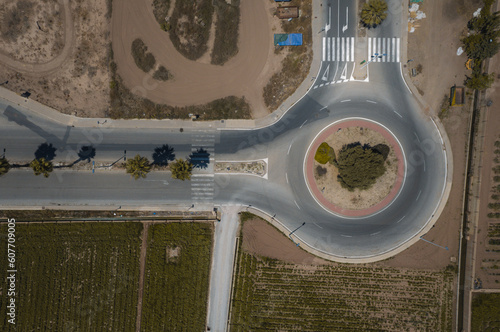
x: 143, y: 59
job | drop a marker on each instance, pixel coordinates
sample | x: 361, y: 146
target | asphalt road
x: 385, y: 99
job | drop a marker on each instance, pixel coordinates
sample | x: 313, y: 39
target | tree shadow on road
x: 46, y: 150
x: 163, y: 155
x: 200, y: 158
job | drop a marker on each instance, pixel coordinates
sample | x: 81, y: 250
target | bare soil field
x: 357, y: 199
x: 58, y: 51
x: 280, y: 287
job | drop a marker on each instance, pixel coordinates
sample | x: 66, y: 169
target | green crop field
x: 177, y: 277
x: 73, y: 277
x: 485, y: 312
x: 270, y: 295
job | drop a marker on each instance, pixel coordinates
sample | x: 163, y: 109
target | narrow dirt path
x: 142, y: 264
x: 55, y: 63
x: 195, y: 83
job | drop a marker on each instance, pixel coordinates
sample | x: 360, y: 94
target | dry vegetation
x: 190, y: 27
x: 297, y: 61
x: 305, y: 293
x: 272, y: 295
x: 226, y: 31
x: 33, y: 32
x: 143, y: 59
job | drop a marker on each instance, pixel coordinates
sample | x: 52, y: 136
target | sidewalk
x: 223, y: 256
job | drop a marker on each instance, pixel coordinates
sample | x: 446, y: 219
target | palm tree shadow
x: 200, y: 158
x: 163, y: 155
x: 46, y: 150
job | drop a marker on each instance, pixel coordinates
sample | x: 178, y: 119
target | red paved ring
x: 321, y: 137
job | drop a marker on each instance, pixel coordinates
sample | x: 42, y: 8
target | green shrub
x: 162, y: 74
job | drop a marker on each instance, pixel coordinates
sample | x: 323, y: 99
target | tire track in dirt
x: 195, y: 83
x: 55, y: 63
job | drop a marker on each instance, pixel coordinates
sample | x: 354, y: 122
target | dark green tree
x: 479, y: 81
x: 4, y: 166
x: 359, y: 166
x: 181, y: 169
x: 138, y: 167
x: 42, y: 166
x: 373, y: 13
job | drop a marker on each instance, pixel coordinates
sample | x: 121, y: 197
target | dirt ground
x: 434, y: 46
x: 262, y: 239
x: 196, y: 82
x: 59, y: 53
x: 358, y: 199
x: 485, y: 261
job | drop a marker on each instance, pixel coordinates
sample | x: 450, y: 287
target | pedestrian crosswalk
x: 388, y: 49
x: 338, y: 49
x: 341, y: 49
x: 202, y: 180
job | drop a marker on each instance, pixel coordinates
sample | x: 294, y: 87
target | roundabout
x: 340, y: 207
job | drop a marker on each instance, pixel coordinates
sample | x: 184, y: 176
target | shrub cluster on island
x: 359, y: 166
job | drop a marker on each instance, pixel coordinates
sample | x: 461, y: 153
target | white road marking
x: 345, y: 100
x: 297, y: 204
x: 393, y: 50
x: 374, y: 233
x: 384, y: 49
x: 328, y: 41
x: 343, y: 76
x: 369, y: 48
x: 352, y: 48
x: 371, y: 101
x: 342, y: 43
x: 317, y: 225
x: 324, y: 49
x: 303, y: 124
x: 397, y: 50
x: 402, y: 77
x: 286, y: 176
x: 398, y: 114
x: 333, y: 49
x: 347, y: 40
x: 418, y: 196
x: 345, y: 235
x: 400, y: 219
x: 315, y: 87
x: 416, y: 136
x: 289, y: 148
x: 338, y: 48
x: 325, y: 75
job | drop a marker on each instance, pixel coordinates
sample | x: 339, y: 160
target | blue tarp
x: 292, y: 39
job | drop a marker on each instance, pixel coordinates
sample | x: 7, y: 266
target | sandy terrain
x: 358, y: 199
x: 196, y: 82
x: 434, y: 46
x: 70, y: 73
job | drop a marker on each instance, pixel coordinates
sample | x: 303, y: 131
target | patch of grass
x: 272, y: 295
x: 178, y: 271
x: 162, y: 74
x: 160, y: 10
x: 143, y: 59
x: 74, y: 277
x: 296, y: 64
x: 324, y: 154
x: 485, y: 312
x: 190, y: 27
x: 226, y: 31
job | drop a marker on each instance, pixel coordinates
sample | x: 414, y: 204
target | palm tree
x: 4, y: 166
x: 42, y: 166
x: 373, y: 13
x: 138, y: 167
x: 181, y: 169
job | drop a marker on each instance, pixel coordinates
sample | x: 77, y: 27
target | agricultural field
x: 485, y: 312
x: 177, y: 277
x: 74, y: 276
x: 270, y: 295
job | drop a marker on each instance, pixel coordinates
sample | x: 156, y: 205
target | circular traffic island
x: 355, y: 168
